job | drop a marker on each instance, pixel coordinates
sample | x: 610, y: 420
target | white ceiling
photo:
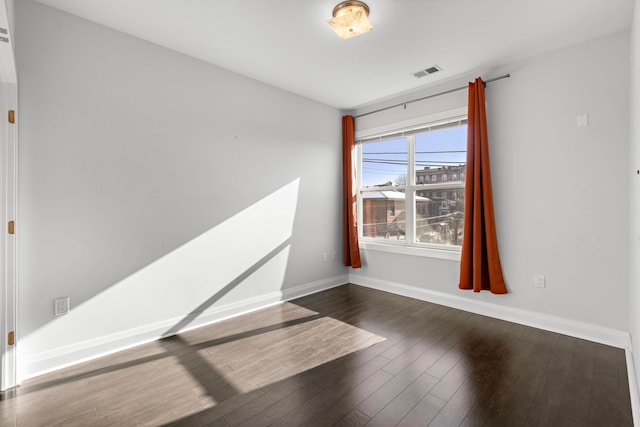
x: 290, y: 45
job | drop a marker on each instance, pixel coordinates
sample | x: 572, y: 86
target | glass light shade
x: 350, y: 19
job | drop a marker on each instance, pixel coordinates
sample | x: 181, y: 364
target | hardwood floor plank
x: 7, y: 421
x: 531, y: 377
x: 215, y: 413
x: 278, y: 393
x: 424, y: 412
x: 623, y: 389
x: 448, y: 360
x: 426, y: 341
x: 450, y: 383
x: 546, y: 405
x: 354, y: 418
x: 82, y: 418
x: 577, y: 392
x: 383, y: 396
x: 278, y: 410
x: 605, y: 403
x: 343, y: 405
x: 399, y: 407
x: 456, y: 408
x: 343, y: 383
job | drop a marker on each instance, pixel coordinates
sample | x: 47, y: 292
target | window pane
x: 439, y: 219
x: 384, y: 214
x: 384, y: 163
x: 441, y: 154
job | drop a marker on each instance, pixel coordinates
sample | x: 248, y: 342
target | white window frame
x: 408, y: 246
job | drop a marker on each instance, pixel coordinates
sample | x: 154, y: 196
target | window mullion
x: 358, y: 184
x: 410, y: 234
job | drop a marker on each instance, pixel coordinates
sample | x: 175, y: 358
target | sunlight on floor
x: 248, y: 359
x: 191, y: 374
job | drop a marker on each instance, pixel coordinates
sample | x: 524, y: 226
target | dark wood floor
x: 348, y: 356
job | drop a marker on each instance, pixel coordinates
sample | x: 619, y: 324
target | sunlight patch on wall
x: 240, y: 259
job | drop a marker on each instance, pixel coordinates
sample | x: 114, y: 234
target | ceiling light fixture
x: 350, y: 19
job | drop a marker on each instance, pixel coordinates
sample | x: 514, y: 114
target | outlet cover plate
x: 61, y: 306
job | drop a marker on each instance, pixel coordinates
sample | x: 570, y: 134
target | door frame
x: 9, y: 206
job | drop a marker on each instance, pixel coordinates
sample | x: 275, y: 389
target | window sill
x: 452, y: 254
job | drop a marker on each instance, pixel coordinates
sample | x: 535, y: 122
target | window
x: 400, y: 199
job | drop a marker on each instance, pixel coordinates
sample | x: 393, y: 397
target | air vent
x: 427, y: 71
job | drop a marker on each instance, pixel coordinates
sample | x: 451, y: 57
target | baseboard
x: 560, y: 325
x: 41, y: 363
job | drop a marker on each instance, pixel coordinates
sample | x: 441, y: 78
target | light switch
x: 582, y: 120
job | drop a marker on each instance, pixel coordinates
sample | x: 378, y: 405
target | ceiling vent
x: 427, y: 71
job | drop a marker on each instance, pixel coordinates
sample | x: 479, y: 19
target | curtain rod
x: 430, y: 96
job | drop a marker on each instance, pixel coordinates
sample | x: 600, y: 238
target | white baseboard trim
x: 633, y: 387
x: 547, y: 322
x: 42, y: 363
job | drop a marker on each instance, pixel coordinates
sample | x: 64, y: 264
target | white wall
x: 11, y: 14
x: 560, y: 194
x: 155, y: 187
x: 634, y: 166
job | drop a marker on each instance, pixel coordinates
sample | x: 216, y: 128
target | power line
x: 417, y: 152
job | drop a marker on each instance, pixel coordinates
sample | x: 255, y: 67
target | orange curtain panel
x: 480, y: 263
x: 351, y: 248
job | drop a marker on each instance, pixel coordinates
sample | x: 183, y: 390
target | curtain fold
x: 480, y: 262
x: 351, y: 248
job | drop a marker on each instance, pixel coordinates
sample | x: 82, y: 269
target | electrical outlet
x: 324, y: 257
x: 582, y: 120
x: 61, y: 306
x: 540, y: 281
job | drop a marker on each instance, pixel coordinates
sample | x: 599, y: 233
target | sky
x: 387, y: 160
